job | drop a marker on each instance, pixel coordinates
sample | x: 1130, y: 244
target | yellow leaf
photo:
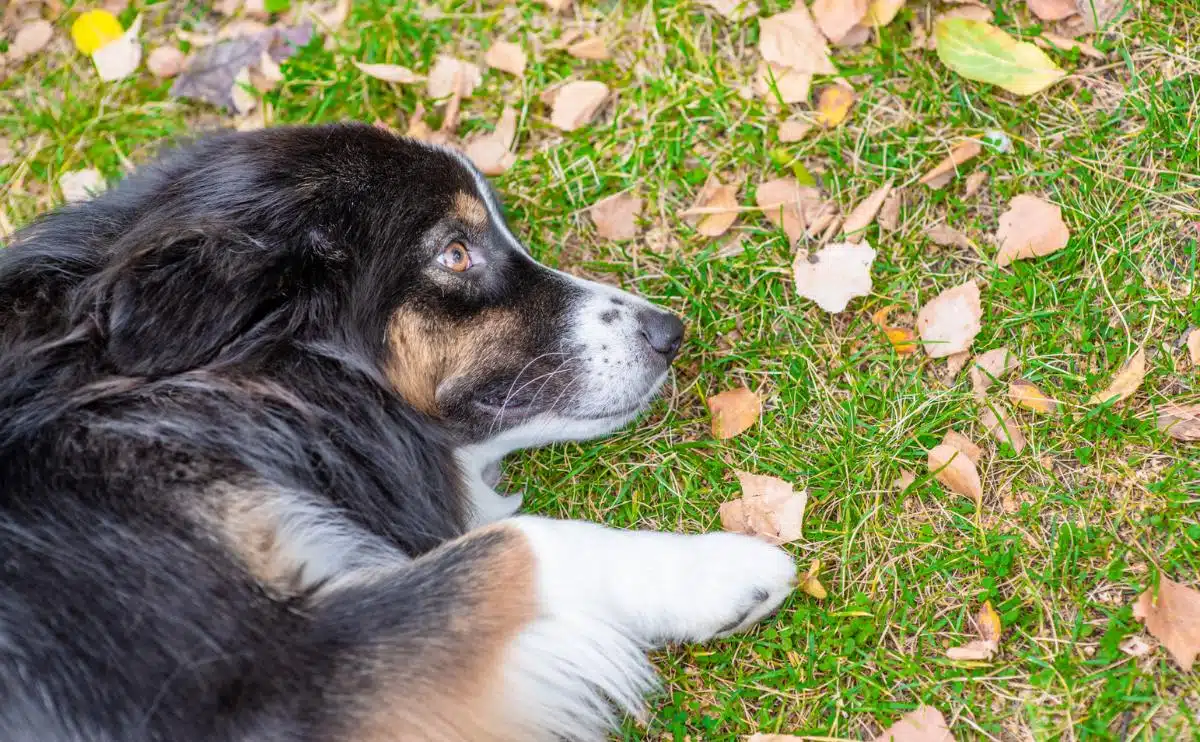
x: 1026, y: 394
x: 811, y: 585
x: 902, y: 340
x: 94, y: 30
x: 979, y: 51
x: 833, y: 105
x: 881, y: 12
x: 989, y: 623
x: 733, y: 411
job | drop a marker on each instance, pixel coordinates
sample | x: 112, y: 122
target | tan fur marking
x: 247, y: 519
x: 428, y: 350
x: 455, y: 690
x: 470, y: 210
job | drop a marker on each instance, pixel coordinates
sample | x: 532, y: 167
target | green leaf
x: 980, y: 51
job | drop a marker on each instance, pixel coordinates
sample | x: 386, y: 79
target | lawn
x: 1097, y: 507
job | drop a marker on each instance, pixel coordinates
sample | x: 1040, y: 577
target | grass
x: 1095, y: 509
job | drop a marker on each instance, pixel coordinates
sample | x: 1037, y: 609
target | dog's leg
x: 530, y: 629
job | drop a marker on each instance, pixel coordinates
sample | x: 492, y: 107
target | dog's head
x: 349, y: 239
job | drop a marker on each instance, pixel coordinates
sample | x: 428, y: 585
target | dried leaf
x: 734, y: 10
x: 121, y: 58
x: 449, y: 73
x: 577, y: 103
x: 722, y: 198
x: 946, y: 236
x: 774, y: 83
x: 882, y: 12
x: 506, y: 56
x: 949, y: 323
x: 1193, y: 346
x: 1181, y: 422
x: 793, y: 130
x: 889, y: 213
x: 834, y: 275
x: 1031, y: 228
x: 987, y: 626
x: 905, y: 480
x: 954, y: 469
x: 833, y: 105
x: 1002, y: 427
x: 557, y: 6
x: 1052, y: 10
x: 835, y: 18
x: 791, y: 39
x: 810, y: 585
x: 862, y: 215
x: 1096, y: 14
x: 856, y: 36
x: 974, y: 183
x: 212, y: 73
x: 769, y: 508
x: 492, y: 153
x: 1136, y: 646
x: 944, y: 172
x: 733, y: 412
x: 1026, y: 394
x: 964, y: 444
x: 30, y: 39
x: 81, y: 185
x: 902, y: 340
x: 1126, y: 381
x: 1172, y: 617
x: 417, y: 128
x: 979, y: 51
x: 784, y: 202
x: 165, y: 61
x: 388, y: 72
x: 991, y: 366
x: 616, y: 216
x: 923, y: 724
x: 592, y: 48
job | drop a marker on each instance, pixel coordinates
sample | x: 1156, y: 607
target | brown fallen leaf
x: 492, y: 153
x: 949, y: 323
x: 388, y: 72
x: 991, y: 366
x: 31, y: 38
x: 834, y: 275
x: 882, y: 12
x: 733, y: 412
x: 165, y: 61
x: 864, y: 213
x: 616, y: 216
x: 1125, y: 382
x: 734, y: 10
x: 835, y: 18
x: 1031, y: 228
x: 1193, y: 346
x: 1026, y: 394
x: 923, y: 724
x: 987, y: 627
x: 954, y: 364
x: 769, y: 508
x: 1173, y: 617
x: 1000, y: 425
x: 1136, y: 646
x: 1181, y: 422
x: 962, y: 443
x: 214, y: 72
x: 785, y: 202
x: 956, y: 471
x: 974, y: 183
x: 1097, y: 14
x: 417, y: 128
x: 905, y: 480
x: 793, y: 130
x: 577, y: 103
x: 1052, y: 10
x: 791, y: 39
x: 506, y: 56
x: 889, y: 213
x: 833, y: 105
x: 947, y: 236
x: 593, y: 48
x: 902, y: 339
x: 858, y: 35
x: 810, y: 585
x: 450, y: 75
x: 716, y: 195
x: 774, y: 83
x: 944, y: 172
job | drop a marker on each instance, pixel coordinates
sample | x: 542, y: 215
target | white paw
x: 735, y: 582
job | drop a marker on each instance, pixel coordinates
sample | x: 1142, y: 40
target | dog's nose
x: 662, y: 331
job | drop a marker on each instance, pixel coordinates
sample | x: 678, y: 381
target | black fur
x: 220, y: 316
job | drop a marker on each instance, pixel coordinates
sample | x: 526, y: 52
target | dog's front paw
x: 737, y: 582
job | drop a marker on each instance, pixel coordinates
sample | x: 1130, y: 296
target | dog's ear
x: 178, y: 306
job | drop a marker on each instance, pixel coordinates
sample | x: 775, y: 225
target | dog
x: 250, y: 400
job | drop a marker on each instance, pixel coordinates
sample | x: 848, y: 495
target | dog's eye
x: 456, y: 257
